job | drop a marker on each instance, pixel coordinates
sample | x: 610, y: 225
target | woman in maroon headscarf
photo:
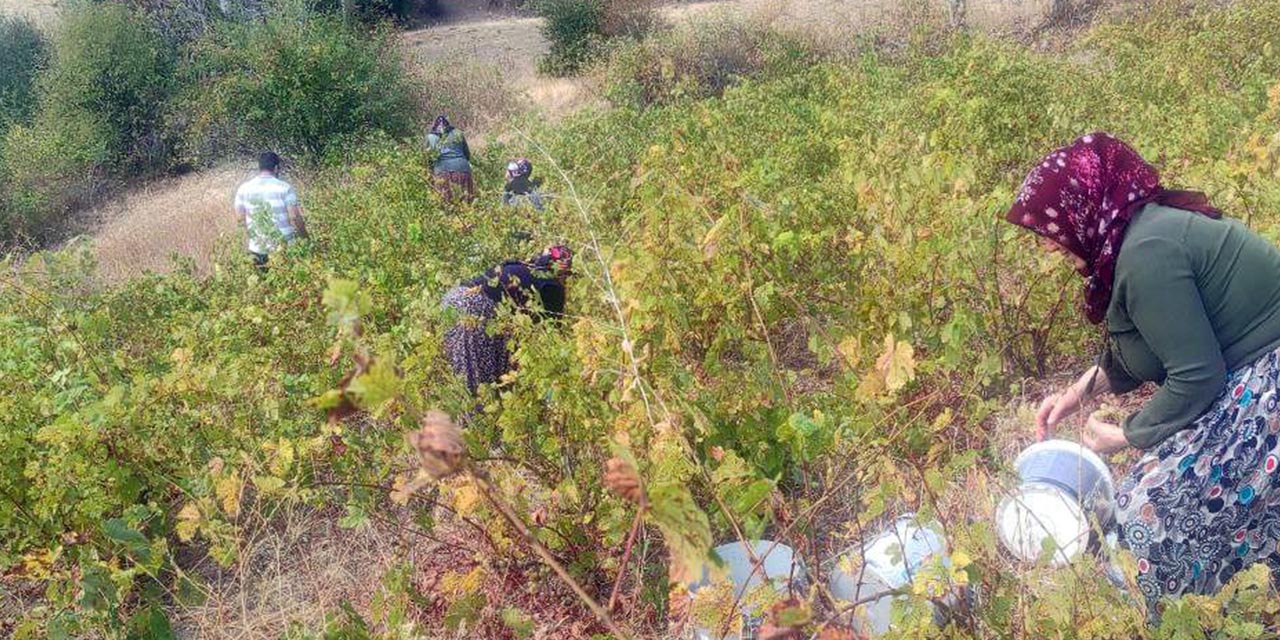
x: 1191, y: 301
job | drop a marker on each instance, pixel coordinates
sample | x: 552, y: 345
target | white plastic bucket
x: 884, y: 563
x: 1064, y: 487
x: 779, y: 567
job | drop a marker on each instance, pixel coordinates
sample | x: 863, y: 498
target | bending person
x: 473, y: 352
x: 521, y: 186
x: 1191, y: 301
x: 452, y: 166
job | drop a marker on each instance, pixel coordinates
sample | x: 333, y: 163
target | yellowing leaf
x: 228, y: 490
x: 268, y: 484
x: 188, y: 522
x: 851, y: 349
x: 465, y: 499
x: 180, y: 356
x: 402, y: 489
x: 284, y: 457
x: 897, y: 364
x: 711, y: 241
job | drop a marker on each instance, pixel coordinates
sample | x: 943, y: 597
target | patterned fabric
x: 474, y: 354
x: 455, y: 186
x: 519, y: 167
x: 264, y: 202
x: 1205, y: 503
x: 441, y: 125
x: 1083, y: 196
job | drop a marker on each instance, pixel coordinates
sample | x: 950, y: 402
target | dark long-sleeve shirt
x: 1193, y: 299
x: 515, y: 281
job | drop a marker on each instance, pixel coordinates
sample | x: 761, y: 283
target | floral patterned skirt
x: 1205, y: 503
x: 474, y: 354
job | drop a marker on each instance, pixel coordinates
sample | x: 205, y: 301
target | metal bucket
x: 884, y: 563
x: 1064, y: 488
x: 779, y: 567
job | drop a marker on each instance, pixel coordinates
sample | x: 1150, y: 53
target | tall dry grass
x: 143, y: 229
x: 295, y: 568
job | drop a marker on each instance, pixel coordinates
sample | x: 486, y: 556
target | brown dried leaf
x: 838, y: 633
x: 540, y: 516
x: 439, y: 445
x: 785, y: 621
x: 338, y: 446
x: 623, y: 480
x: 679, y: 602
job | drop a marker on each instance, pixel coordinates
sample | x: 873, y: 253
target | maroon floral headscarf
x: 1083, y: 196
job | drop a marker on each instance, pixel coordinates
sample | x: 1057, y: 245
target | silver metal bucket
x: 1064, y: 488
x: 885, y: 563
x: 779, y: 567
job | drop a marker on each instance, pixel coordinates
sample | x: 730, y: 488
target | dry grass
x: 42, y: 12
x: 143, y: 229
x: 292, y: 572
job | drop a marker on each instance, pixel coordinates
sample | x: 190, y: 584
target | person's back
x: 454, y: 156
x: 269, y: 208
x: 1236, y: 271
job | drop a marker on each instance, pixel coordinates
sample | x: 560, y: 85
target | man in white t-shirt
x: 269, y: 208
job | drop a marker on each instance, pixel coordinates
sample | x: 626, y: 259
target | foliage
x: 296, y: 81
x: 695, y: 61
x: 578, y: 30
x: 370, y: 11
x: 797, y: 310
x: 101, y: 107
x: 23, y: 52
x: 111, y: 65
x: 575, y: 29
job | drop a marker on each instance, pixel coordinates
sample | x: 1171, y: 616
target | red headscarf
x: 1083, y: 196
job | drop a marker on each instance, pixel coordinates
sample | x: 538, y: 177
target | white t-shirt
x: 264, y: 201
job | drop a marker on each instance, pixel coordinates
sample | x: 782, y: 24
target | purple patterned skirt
x: 474, y: 354
x: 1205, y: 503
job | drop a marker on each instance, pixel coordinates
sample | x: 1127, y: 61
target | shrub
x: 23, y: 52
x: 297, y: 81
x: 696, y: 61
x: 48, y: 170
x: 112, y: 65
x: 370, y: 11
x: 100, y: 114
x: 575, y: 29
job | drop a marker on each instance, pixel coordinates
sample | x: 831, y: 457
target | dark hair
x: 268, y: 161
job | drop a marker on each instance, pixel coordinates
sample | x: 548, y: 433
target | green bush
x: 370, y: 11
x: 49, y: 169
x: 575, y: 29
x: 694, y: 61
x: 100, y: 113
x: 297, y: 81
x: 111, y: 65
x: 23, y: 52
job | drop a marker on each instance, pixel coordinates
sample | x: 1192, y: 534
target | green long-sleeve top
x: 1193, y: 299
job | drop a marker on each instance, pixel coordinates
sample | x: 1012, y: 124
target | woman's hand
x: 1104, y: 437
x: 1060, y: 406
x: 1056, y: 408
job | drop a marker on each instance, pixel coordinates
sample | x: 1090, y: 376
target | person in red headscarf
x: 1189, y: 300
